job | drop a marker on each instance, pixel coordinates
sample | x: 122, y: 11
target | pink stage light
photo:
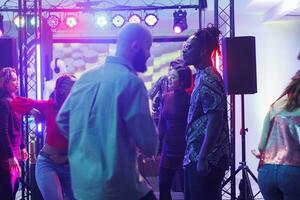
x: 71, y: 21
x: 134, y: 18
x: 53, y: 21
x: 1, y: 33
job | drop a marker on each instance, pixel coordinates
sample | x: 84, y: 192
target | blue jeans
x: 203, y: 187
x: 53, y: 179
x: 279, y: 182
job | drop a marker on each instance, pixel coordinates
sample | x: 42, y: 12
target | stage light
x: 101, y: 21
x: 53, y: 21
x: 180, y: 23
x: 1, y: 26
x: 71, y: 21
x: 134, y: 18
x: 32, y: 20
x: 151, y: 20
x: 19, y: 21
x: 118, y: 21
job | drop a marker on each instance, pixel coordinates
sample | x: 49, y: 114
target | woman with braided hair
x: 279, y: 147
x: 207, y: 133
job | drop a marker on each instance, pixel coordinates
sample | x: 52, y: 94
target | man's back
x: 108, y: 118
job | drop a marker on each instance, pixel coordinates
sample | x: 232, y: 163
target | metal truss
x: 224, y: 19
x: 28, y: 39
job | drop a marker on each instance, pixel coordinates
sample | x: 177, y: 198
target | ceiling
x: 274, y: 10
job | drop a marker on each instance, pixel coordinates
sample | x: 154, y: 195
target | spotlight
x: 71, y: 21
x: 1, y: 25
x: 19, y: 21
x: 32, y: 21
x: 101, y: 21
x: 180, y: 23
x: 151, y: 20
x: 53, y: 21
x: 118, y: 21
x: 134, y: 18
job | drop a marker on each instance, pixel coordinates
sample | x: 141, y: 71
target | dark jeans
x: 166, y: 177
x: 149, y: 196
x: 279, y: 182
x: 203, y: 187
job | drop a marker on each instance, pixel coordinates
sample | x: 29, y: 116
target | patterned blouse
x: 208, y: 95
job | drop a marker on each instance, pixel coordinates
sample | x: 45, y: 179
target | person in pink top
x: 52, y: 168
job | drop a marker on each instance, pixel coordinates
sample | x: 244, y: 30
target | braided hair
x: 208, y: 38
x: 201, y: 45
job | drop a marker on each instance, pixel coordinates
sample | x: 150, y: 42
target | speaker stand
x: 247, y: 189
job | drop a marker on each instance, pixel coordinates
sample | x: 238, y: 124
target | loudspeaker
x: 8, y: 53
x: 239, y: 65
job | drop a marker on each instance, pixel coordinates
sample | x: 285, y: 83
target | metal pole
x: 232, y: 101
x: 216, y: 13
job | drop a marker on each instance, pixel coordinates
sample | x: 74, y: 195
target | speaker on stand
x: 239, y: 72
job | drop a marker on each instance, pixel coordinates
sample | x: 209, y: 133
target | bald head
x: 134, y: 43
x: 132, y: 32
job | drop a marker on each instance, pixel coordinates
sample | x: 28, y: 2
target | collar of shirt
x: 121, y: 61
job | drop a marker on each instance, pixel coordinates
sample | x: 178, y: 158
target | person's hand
x: 256, y: 153
x: 14, y: 165
x: 23, y: 154
x: 202, y: 166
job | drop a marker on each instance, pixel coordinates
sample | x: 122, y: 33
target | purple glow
x: 1, y: 33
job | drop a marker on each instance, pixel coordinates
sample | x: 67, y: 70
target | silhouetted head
x: 180, y: 78
x: 197, y: 50
x: 62, y: 89
x: 134, y: 43
x: 8, y: 82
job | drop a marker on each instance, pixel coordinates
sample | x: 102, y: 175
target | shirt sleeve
x: 137, y: 118
x: 4, y: 135
x: 265, y: 131
x: 23, y: 105
x: 211, y: 98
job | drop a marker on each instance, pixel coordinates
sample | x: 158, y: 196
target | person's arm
x: 4, y: 139
x: 156, y: 88
x: 136, y: 115
x: 161, y: 130
x: 23, y: 151
x: 212, y: 133
x: 265, y: 132
x: 5, y: 143
x: 24, y: 105
x: 212, y: 101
